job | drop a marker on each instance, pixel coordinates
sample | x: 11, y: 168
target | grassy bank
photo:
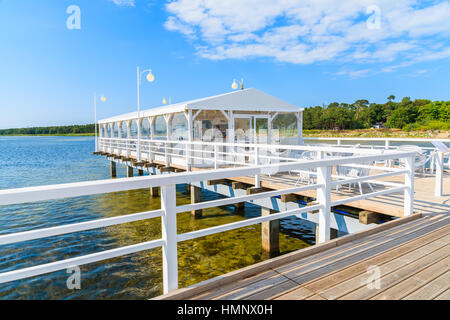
x: 378, y: 133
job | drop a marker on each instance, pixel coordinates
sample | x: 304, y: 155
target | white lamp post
x: 102, y: 99
x: 150, y: 78
x: 164, y: 101
x: 235, y: 85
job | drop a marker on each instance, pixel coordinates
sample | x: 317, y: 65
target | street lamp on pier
x: 150, y: 78
x: 102, y: 99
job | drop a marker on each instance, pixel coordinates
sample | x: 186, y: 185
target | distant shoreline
x: 50, y: 135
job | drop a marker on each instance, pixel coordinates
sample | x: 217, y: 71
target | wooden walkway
x: 411, y: 255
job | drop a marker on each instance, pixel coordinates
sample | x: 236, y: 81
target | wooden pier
x: 403, y: 258
x: 407, y: 258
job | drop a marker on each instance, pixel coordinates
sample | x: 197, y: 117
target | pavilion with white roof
x: 247, y: 115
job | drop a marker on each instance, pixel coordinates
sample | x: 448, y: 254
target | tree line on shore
x: 407, y: 115
x: 54, y: 130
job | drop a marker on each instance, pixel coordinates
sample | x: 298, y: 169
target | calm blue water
x: 32, y: 161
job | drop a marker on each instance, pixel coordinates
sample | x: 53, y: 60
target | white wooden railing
x: 218, y: 154
x: 169, y: 210
x: 437, y: 157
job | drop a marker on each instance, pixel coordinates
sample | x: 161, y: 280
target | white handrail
x: 76, y: 227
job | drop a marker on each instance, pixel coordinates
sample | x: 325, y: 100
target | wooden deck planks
x: 303, y: 275
x: 413, y: 259
x: 256, y: 287
x: 340, y: 289
x: 357, y: 271
x: 443, y: 296
x: 392, y: 278
x: 213, y: 293
x: 364, y: 241
x: 416, y: 281
x: 433, y: 288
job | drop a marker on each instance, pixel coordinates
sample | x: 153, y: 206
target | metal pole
x: 139, y: 116
x: 95, y: 121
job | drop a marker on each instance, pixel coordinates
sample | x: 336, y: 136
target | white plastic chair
x: 421, y: 158
x: 352, y: 172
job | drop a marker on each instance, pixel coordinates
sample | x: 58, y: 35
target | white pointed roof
x: 250, y: 100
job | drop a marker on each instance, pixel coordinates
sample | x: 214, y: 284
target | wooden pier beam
x: 368, y: 217
x: 113, y: 170
x: 166, y: 169
x: 254, y: 190
x: 196, y: 197
x: 154, y: 191
x: 129, y: 172
x: 238, y: 185
x: 289, y: 197
x: 270, y: 234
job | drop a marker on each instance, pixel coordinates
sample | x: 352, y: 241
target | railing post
x: 188, y: 157
x: 166, y: 153
x: 215, y: 156
x: 169, y: 236
x: 257, y: 177
x: 408, y: 205
x: 324, y: 198
x: 438, y: 184
x: 388, y: 162
x: 433, y: 161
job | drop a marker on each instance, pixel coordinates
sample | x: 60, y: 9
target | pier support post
x: 113, y: 169
x: 270, y: 234
x: 129, y: 172
x: 196, y: 197
x: 141, y: 172
x: 154, y: 191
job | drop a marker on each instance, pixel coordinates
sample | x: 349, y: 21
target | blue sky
x: 307, y: 52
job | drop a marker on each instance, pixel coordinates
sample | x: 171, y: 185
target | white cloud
x: 310, y: 31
